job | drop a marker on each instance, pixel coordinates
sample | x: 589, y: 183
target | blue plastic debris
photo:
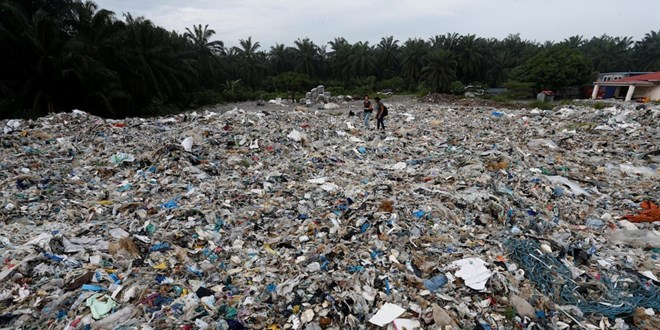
x: 53, y: 257
x: 171, y: 204
x: 92, y: 287
x: 160, y: 247
x: 419, y: 214
x: 364, y: 227
x: 115, y: 278
x: 354, y: 269
x: 436, y: 282
x: 125, y: 187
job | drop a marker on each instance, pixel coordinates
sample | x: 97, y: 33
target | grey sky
x: 283, y: 21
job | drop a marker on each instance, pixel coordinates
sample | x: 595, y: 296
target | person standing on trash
x: 380, y: 114
x: 368, y: 109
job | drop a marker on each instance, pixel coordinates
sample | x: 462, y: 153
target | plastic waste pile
x: 458, y: 101
x: 320, y: 96
x: 482, y: 217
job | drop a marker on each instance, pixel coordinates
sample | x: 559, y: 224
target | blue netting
x: 554, y: 279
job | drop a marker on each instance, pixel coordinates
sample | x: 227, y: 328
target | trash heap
x: 461, y: 101
x: 483, y: 217
x: 316, y: 95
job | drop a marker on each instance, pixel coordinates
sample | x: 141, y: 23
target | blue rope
x: 554, y: 279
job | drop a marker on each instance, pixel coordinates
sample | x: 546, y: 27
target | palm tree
x: 362, y: 61
x: 32, y: 56
x: 280, y: 57
x: 500, y: 65
x: 449, y: 42
x: 469, y: 55
x: 575, y: 41
x: 206, y: 51
x: 306, y: 56
x: 92, y: 53
x: 200, y: 38
x: 250, y: 60
x: 647, y: 52
x: 609, y: 54
x: 338, y: 59
x: 520, y: 50
x: 413, y: 53
x: 154, y: 62
x: 387, y: 51
x: 439, y: 70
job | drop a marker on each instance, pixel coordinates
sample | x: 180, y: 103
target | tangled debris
x: 282, y: 219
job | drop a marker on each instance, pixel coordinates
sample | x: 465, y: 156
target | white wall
x: 652, y: 93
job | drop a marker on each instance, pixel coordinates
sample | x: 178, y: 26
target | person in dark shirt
x: 380, y: 114
x: 368, y: 109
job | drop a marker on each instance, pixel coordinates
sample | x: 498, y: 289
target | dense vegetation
x: 58, y: 55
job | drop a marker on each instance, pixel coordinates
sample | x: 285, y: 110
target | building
x: 633, y: 86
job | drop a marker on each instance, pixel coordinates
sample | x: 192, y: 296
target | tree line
x: 59, y: 55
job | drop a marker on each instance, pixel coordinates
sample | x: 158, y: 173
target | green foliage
x: 65, y: 54
x: 398, y: 84
x: 205, y: 97
x: 439, y: 71
x: 542, y: 105
x: 158, y: 107
x: 456, y: 87
x: 555, y: 68
x: 337, y: 90
x: 518, y: 90
x: 599, y: 105
x: 647, y: 52
x: 263, y: 95
x: 501, y: 98
x: 292, y: 81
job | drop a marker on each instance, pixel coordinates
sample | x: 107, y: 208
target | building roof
x: 648, y: 79
x: 653, y: 76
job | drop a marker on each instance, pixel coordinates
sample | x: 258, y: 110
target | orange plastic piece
x: 650, y: 213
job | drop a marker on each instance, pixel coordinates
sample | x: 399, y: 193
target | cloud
x: 284, y: 21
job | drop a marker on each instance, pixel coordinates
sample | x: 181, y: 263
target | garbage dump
x: 270, y: 218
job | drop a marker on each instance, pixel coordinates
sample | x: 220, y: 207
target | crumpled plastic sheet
x: 271, y: 218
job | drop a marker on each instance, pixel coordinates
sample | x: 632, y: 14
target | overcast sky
x: 283, y: 21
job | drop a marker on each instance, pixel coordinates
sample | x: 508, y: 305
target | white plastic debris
x: 386, y: 314
x: 405, y: 324
x: 295, y: 136
x: 331, y: 106
x: 11, y: 125
x: 574, y: 187
x: 473, y: 271
x: 543, y: 142
x: 640, y: 170
x: 187, y: 144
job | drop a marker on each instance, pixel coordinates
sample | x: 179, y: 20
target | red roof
x: 654, y: 76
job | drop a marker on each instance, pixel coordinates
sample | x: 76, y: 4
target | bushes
x: 205, y: 97
x: 599, y: 105
x: 542, y: 105
x: 457, y: 88
x: 519, y: 90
